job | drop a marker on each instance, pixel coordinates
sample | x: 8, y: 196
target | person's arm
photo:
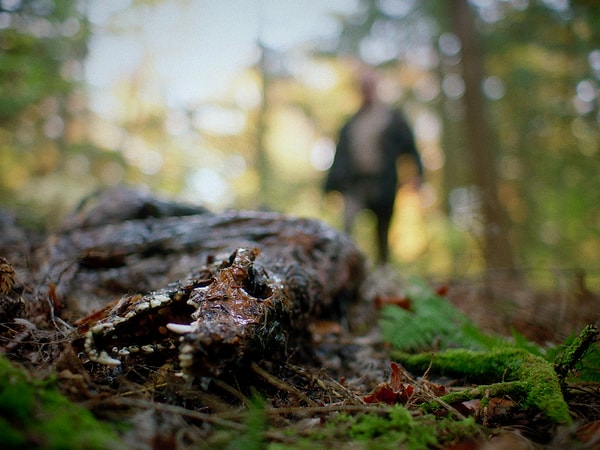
x: 399, y: 140
x: 403, y: 140
x: 341, y: 169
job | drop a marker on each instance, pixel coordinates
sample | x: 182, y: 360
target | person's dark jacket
x: 396, y: 140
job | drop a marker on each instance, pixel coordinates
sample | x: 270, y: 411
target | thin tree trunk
x: 262, y: 160
x: 496, y: 246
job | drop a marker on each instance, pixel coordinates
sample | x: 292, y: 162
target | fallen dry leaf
x: 394, y: 300
x: 401, y: 388
x: 590, y: 433
x: 442, y: 290
x: 392, y: 392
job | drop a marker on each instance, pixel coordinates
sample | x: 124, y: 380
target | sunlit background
x: 237, y: 104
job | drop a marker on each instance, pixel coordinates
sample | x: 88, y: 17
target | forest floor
x: 347, y: 394
x: 468, y: 364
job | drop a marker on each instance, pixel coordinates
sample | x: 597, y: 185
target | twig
x: 231, y: 390
x: 209, y: 418
x: 566, y: 361
x: 196, y: 415
x: 307, y: 410
x: 279, y: 384
x: 330, y: 385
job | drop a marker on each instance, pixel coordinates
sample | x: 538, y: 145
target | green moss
x: 393, y: 427
x: 256, y: 424
x: 9, y: 436
x: 484, y: 392
x: 580, y: 352
x: 396, y: 427
x: 34, y: 414
x: 432, y: 321
x: 536, y: 380
x: 17, y: 398
x: 469, y: 353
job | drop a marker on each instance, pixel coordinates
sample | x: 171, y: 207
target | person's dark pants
x: 367, y: 195
x: 384, y: 220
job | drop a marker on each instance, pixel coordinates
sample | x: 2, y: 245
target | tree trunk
x: 496, y: 246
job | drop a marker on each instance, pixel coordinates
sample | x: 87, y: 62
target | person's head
x: 368, y: 86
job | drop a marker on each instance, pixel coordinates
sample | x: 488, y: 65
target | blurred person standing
x: 364, y: 169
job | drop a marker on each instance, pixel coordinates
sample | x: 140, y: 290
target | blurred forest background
x: 502, y: 96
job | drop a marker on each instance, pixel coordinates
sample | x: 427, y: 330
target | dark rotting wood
x: 90, y: 267
x: 214, y: 290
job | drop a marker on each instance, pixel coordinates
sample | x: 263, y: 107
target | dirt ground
x: 302, y: 395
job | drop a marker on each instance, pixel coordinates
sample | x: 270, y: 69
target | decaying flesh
x: 249, y: 282
x: 232, y: 311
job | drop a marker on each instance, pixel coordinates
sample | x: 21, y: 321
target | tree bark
x: 496, y: 246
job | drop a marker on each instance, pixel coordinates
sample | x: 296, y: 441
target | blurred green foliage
x: 542, y: 64
x: 40, y: 45
x: 33, y: 414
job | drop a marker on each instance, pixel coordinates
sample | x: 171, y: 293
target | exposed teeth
x: 87, y: 345
x: 147, y: 349
x: 200, y: 291
x: 185, y: 364
x: 97, y: 329
x: 187, y: 348
x: 185, y: 360
x: 142, y: 307
x: 158, y: 300
x: 107, y: 360
x: 179, y: 328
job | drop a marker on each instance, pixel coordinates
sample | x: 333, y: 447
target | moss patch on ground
x: 34, y: 414
x: 507, y: 369
x: 384, y: 428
